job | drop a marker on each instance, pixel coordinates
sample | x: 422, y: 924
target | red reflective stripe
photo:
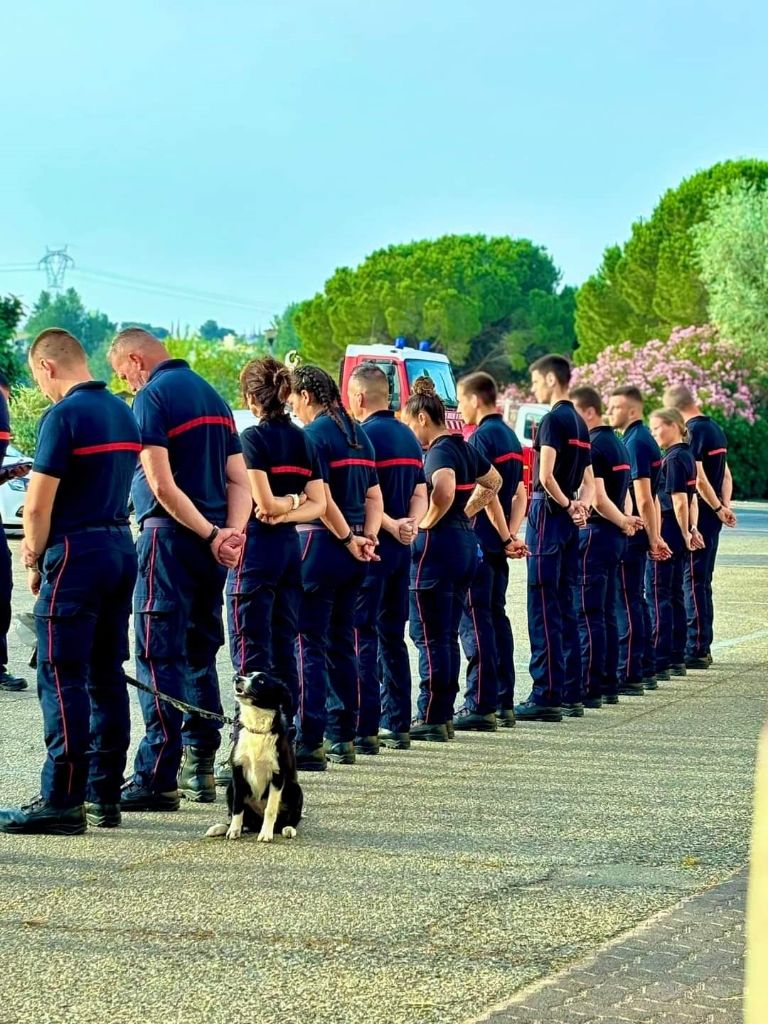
x: 291, y: 469
x: 338, y: 463
x: 465, y: 487
x: 517, y: 456
x: 386, y: 463
x: 114, y: 446
x: 5, y: 435
x: 624, y: 465
x: 715, y: 451
x: 202, y: 421
x: 691, y: 483
x: 657, y: 463
x: 578, y: 444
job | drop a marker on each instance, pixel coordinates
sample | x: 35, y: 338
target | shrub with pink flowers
x: 718, y: 374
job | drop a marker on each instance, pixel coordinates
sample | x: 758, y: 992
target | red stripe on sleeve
x: 114, y: 446
x: 621, y: 466
x: 657, y: 463
x: 291, y: 469
x: 202, y: 421
x: 465, y: 487
x: 578, y: 444
x: 5, y: 435
x: 715, y: 451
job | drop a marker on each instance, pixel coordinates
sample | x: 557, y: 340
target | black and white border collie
x: 264, y: 795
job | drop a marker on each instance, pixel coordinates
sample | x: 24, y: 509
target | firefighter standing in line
x: 563, y: 494
x: 81, y: 564
x: 461, y: 482
x: 636, y: 660
x: 335, y: 550
x: 384, y: 706
x: 192, y: 503
x: 679, y: 516
x: 602, y: 542
x: 7, y: 680
x: 486, y: 633
x: 714, y: 484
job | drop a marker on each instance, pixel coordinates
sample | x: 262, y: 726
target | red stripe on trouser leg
x: 543, y: 602
x: 147, y: 640
x: 588, y: 673
x: 629, y: 620
x: 300, y: 646
x: 695, y: 606
x: 477, y: 644
x: 423, y: 622
x: 56, y: 679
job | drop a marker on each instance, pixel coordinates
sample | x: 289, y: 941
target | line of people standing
x: 327, y: 541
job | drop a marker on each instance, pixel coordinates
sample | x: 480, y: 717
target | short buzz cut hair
x: 480, y: 384
x: 557, y: 365
x: 59, y: 345
x: 628, y: 391
x: 587, y: 398
x: 371, y: 379
x: 679, y: 396
x: 132, y: 336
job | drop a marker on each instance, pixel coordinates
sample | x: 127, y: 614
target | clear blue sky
x: 248, y: 149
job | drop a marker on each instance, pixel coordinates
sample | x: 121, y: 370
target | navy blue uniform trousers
x: 263, y: 597
x: 664, y: 587
x: 325, y: 644
x: 177, y: 618
x: 381, y: 613
x: 601, y: 546
x: 82, y: 615
x: 443, y: 564
x: 699, y: 569
x: 6, y: 588
x: 553, y: 567
x: 636, y: 661
x: 486, y: 636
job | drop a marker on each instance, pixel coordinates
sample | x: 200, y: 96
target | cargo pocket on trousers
x: 67, y: 630
x: 159, y: 630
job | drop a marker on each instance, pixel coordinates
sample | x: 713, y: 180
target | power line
x: 56, y: 263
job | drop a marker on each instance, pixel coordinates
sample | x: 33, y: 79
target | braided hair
x: 426, y: 399
x: 325, y: 392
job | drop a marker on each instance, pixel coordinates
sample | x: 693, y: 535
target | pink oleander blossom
x: 714, y: 369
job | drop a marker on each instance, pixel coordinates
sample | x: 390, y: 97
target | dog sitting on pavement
x: 264, y: 795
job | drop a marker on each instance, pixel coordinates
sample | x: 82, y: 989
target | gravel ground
x: 424, y: 886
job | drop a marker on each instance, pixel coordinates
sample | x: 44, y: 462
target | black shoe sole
x: 306, y: 767
x: 103, y: 820
x: 632, y: 693
x: 541, y: 718
x: 431, y: 738
x: 611, y: 701
x: 148, y: 808
x: 650, y: 685
x: 395, y: 744
x: 13, y: 689
x: 691, y: 667
x: 593, y: 705
x: 476, y: 727
x: 366, y: 751
x: 573, y: 712
x: 506, y: 723
x: 51, y: 830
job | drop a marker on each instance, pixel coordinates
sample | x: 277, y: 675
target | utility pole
x: 55, y: 263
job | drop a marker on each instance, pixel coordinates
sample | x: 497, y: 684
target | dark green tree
x: 11, y: 311
x: 488, y: 302
x: 91, y: 328
x: 652, y: 283
x: 210, y: 331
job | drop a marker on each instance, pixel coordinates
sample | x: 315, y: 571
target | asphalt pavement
x: 441, y: 884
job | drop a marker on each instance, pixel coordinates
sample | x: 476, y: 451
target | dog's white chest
x: 256, y: 753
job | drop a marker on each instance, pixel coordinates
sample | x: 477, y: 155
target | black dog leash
x: 28, y: 635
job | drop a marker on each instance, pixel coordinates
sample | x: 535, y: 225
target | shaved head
x: 135, y: 339
x: 58, y: 346
x: 134, y: 354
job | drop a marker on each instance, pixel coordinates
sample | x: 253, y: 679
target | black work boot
x: 311, y: 760
x: 103, y: 815
x: 41, y: 818
x: 505, y: 718
x: 471, y: 721
x: 530, y: 711
x: 678, y: 669
x: 662, y: 675
x: 435, y: 733
x: 628, y: 689
x: 11, y: 683
x: 610, y: 698
x: 695, y: 663
x: 367, y: 744
x: 196, y: 779
x: 650, y: 683
x: 595, y: 703
x: 573, y: 709
x: 134, y: 797
x: 223, y: 774
x: 395, y: 740
x: 340, y: 753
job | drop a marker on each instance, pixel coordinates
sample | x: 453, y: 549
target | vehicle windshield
x: 441, y: 374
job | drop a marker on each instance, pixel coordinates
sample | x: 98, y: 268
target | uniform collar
x: 382, y: 414
x: 444, y: 437
x: 168, y: 364
x: 489, y: 418
x: 599, y: 430
x: 634, y: 425
x: 674, y: 447
x: 87, y: 385
x: 562, y: 401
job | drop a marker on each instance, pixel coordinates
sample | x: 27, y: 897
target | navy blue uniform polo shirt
x: 610, y: 462
x: 644, y: 458
x: 399, y: 462
x: 90, y: 442
x: 5, y: 427
x: 451, y: 451
x: 499, y: 444
x: 678, y: 476
x: 709, y: 446
x: 349, y: 472
x: 177, y: 409
x: 284, y: 452
x: 564, y: 430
